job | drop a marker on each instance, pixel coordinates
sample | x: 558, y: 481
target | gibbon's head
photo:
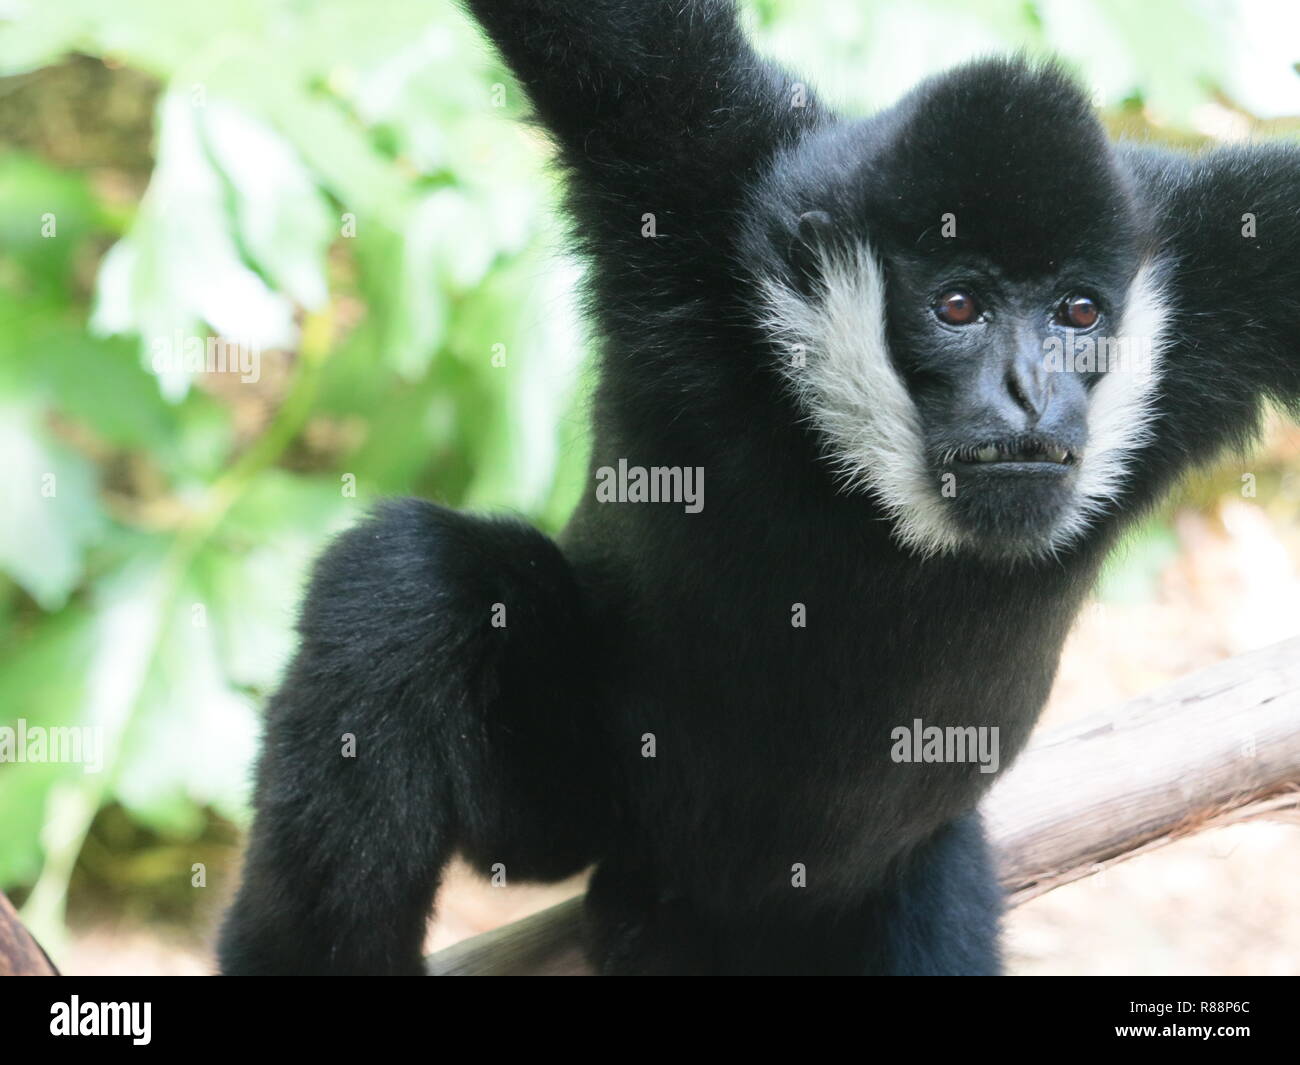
x: 961, y: 307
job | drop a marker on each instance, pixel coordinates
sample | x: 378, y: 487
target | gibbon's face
x: 964, y: 314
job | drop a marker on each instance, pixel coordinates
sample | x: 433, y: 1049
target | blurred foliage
x: 343, y: 189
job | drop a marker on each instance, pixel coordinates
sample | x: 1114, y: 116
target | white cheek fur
x: 837, y: 361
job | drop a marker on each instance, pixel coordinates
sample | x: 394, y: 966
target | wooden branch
x: 20, y: 954
x: 1220, y: 746
x: 1215, y: 748
x: 548, y: 943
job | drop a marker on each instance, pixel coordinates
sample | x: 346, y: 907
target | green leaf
x: 50, y: 507
x: 100, y: 382
x: 181, y: 265
x: 47, y: 216
x: 190, y: 736
x: 282, y: 220
x: 252, y: 578
x: 37, y: 686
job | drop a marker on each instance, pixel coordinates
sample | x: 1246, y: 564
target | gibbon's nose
x: 1029, y: 384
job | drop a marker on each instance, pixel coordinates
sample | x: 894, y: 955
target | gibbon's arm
x: 1227, y: 231
x: 639, y: 92
x: 437, y: 703
x: 663, y: 117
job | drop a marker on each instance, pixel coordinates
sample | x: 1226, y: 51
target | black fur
x: 466, y: 734
x: 523, y: 745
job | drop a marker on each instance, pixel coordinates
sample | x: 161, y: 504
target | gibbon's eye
x: 1079, y: 312
x: 956, y: 308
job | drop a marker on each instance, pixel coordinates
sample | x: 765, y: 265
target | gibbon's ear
x: 812, y: 234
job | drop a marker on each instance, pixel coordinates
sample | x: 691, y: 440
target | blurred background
x: 265, y: 262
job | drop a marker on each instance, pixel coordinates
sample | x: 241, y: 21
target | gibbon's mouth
x: 1013, y: 453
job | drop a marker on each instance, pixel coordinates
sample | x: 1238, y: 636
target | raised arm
x: 639, y: 92
x: 1227, y: 230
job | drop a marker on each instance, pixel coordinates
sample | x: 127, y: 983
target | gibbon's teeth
x: 1058, y: 456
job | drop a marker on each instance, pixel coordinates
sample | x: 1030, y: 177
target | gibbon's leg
x: 631, y: 929
x: 937, y: 914
x: 940, y: 913
x: 437, y: 703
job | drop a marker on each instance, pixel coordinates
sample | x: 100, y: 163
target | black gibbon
x: 922, y: 369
